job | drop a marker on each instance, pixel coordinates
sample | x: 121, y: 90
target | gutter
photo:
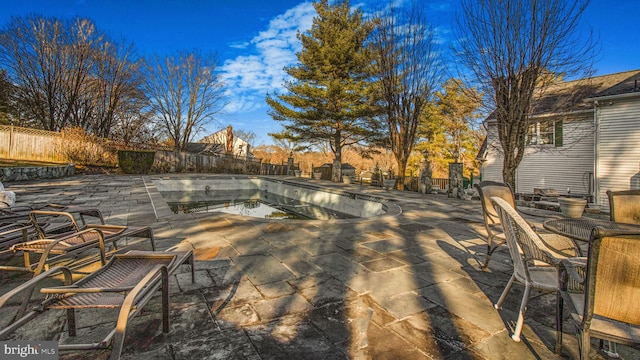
x: 596, y: 153
x: 550, y: 115
x: 613, y: 97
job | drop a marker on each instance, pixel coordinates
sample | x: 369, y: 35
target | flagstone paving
x: 403, y: 286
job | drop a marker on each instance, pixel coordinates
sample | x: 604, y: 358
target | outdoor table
x: 580, y: 229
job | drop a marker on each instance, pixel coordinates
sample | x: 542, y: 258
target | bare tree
x: 185, y: 94
x: 67, y: 73
x: 116, y: 89
x: 44, y: 61
x: 408, y: 70
x: 511, y: 47
x: 6, y: 92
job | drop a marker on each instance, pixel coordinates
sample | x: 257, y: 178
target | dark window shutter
x: 558, y: 133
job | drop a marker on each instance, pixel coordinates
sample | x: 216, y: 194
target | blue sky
x: 256, y: 39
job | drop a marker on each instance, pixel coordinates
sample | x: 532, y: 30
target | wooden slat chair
x: 112, y: 233
x: 127, y: 282
x: 562, y: 245
x: 624, y: 206
x: 606, y: 305
x: 534, y: 265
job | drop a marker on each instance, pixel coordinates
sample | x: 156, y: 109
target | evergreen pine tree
x: 329, y: 99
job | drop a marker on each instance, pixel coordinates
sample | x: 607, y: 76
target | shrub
x: 135, y: 162
x: 81, y: 148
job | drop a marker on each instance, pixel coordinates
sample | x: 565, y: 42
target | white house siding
x: 561, y: 168
x: 492, y: 167
x: 619, y: 146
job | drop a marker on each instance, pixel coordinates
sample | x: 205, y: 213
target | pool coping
x: 162, y: 210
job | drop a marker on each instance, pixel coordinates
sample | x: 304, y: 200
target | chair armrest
x: 33, y: 215
x: 78, y: 290
x: 91, y: 213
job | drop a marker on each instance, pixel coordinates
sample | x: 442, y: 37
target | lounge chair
x: 127, y: 282
x: 24, y: 231
x: 64, y: 249
x: 112, y: 233
x: 18, y: 213
x: 15, y: 233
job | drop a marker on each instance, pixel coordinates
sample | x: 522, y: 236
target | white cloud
x: 250, y: 77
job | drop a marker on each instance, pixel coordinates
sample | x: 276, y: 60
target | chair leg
x: 506, y: 290
x: 487, y: 258
x: 611, y: 350
x: 523, y: 309
x: 559, y: 309
x: 584, y: 344
x: 165, y: 300
x: 71, y: 321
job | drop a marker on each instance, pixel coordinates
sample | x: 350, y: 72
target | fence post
x: 10, y: 140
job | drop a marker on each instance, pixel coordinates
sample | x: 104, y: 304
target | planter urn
x: 572, y: 208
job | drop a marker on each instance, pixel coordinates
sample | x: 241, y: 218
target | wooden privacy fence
x: 171, y: 161
x: 30, y: 144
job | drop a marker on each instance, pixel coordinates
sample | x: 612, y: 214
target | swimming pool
x: 271, y: 196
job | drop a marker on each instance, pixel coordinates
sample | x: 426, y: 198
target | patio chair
x: 23, y: 231
x: 605, y: 306
x: 18, y: 213
x: 112, y: 233
x: 534, y: 265
x: 561, y: 245
x: 127, y: 282
x: 495, y: 235
x: 624, y: 206
x: 15, y: 233
x: 65, y: 249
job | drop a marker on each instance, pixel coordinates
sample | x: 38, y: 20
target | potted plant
x: 389, y: 183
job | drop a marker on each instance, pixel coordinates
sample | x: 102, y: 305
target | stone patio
x: 404, y: 286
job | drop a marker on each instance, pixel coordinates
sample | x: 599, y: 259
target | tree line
x: 59, y: 74
x: 367, y: 82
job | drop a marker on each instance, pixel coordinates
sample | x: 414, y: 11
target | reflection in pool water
x: 251, y: 203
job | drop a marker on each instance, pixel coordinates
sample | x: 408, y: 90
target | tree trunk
x: 402, y: 168
x: 336, y: 173
x: 509, y: 168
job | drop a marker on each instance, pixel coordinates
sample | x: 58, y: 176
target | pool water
x: 253, y: 203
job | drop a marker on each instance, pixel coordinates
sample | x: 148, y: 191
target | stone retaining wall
x: 8, y: 174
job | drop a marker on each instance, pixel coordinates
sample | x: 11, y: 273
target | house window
x: 545, y: 133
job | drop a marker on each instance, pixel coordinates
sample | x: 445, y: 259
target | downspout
x: 596, y: 154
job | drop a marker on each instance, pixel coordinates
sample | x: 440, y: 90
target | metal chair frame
x: 534, y: 265
x: 127, y: 282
